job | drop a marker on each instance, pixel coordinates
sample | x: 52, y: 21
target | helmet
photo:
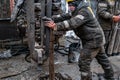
x: 72, y: 0
x: 69, y: 0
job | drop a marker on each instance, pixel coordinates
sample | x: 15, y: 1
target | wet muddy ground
x: 17, y: 68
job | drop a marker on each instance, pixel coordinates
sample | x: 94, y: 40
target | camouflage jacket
x: 106, y: 12
x: 85, y: 25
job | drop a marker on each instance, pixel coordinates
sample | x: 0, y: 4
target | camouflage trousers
x: 107, y: 36
x: 87, y: 55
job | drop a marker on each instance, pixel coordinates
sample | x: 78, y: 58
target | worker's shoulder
x: 84, y: 12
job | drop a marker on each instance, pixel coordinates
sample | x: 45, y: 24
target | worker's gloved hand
x: 116, y: 18
x: 49, y: 22
x: 46, y: 19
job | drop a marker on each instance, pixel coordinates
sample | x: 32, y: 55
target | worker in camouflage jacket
x: 107, y: 15
x: 86, y: 26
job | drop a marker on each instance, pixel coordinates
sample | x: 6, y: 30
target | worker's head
x: 72, y: 5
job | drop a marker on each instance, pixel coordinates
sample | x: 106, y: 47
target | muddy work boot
x: 103, y: 77
x: 109, y: 73
x: 86, y: 76
x: 110, y: 78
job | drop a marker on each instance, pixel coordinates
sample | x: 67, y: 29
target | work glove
x: 49, y: 22
x: 116, y: 18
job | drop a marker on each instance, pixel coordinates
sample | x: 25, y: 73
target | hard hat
x: 72, y: 0
x: 69, y: 0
